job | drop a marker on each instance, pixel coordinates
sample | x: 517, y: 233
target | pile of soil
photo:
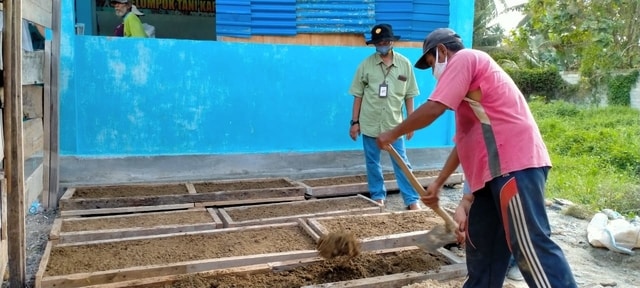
x: 338, y: 244
x: 366, y: 226
x: 137, y: 221
x: 241, y: 185
x: 455, y: 283
x: 298, y: 208
x: 354, y: 179
x: 129, y: 191
x: 336, y: 270
x: 122, y: 254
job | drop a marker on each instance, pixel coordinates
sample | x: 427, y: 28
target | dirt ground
x: 592, y: 267
x: 138, y: 221
x: 298, y: 208
x: 206, y: 187
x: 128, y: 191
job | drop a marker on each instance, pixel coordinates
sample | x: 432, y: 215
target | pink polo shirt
x: 497, y: 134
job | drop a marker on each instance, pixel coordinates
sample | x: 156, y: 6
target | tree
x: 485, y: 32
x: 585, y: 35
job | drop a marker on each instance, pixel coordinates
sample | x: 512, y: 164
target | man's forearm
x: 355, y: 113
x: 449, y: 166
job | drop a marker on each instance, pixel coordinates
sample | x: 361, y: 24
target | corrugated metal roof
x: 273, y: 17
x: 428, y: 15
x: 233, y: 18
x: 332, y: 16
x: 397, y: 13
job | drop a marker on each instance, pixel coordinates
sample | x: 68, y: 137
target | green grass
x: 595, y: 154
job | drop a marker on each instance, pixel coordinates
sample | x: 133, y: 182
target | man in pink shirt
x: 504, y: 159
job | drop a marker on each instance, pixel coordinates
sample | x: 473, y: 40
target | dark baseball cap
x: 440, y: 35
x: 119, y: 1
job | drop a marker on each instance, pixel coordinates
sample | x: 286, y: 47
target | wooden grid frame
x: 105, y: 234
x: 228, y: 221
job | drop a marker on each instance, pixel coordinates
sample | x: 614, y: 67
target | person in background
x: 504, y: 158
x: 131, y: 25
x: 150, y: 30
x: 383, y: 83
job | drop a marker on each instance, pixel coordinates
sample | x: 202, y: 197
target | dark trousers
x: 507, y: 217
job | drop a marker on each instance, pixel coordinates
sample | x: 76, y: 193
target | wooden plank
x: 33, y: 101
x: 228, y: 221
x: 358, y: 188
x: 33, y: 67
x: 106, y: 234
x: 4, y: 260
x: 214, y: 214
x: 119, y: 275
x: 105, y: 211
x: 33, y: 137
x: 38, y: 11
x: 14, y: 159
x: 2, y: 126
x: 44, y: 262
x: 308, y: 229
x: 446, y: 272
x: 191, y: 188
x: 4, y: 209
x: 54, y: 234
x: 248, y: 201
x: 51, y: 111
x: 68, y: 194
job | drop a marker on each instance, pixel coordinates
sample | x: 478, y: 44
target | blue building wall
x: 150, y: 97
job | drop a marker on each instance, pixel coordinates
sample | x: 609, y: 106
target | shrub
x: 545, y: 81
x: 619, y: 88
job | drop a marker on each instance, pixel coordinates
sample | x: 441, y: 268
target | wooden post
x: 51, y: 113
x: 14, y: 158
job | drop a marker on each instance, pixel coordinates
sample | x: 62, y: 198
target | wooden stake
x: 14, y: 158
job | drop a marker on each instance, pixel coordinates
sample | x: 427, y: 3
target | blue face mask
x: 383, y: 50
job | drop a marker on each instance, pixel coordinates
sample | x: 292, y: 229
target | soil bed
x: 241, y: 185
x: 363, y: 266
x: 137, y: 221
x: 129, y: 191
x: 86, y: 258
x: 298, y: 208
x: 366, y: 226
x: 361, y: 178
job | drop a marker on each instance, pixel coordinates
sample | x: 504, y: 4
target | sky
x: 509, y: 20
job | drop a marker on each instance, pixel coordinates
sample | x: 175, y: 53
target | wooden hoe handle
x: 451, y: 225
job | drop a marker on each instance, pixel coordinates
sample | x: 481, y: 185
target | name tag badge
x: 382, y: 90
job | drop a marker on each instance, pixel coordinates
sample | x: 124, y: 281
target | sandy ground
x: 592, y: 267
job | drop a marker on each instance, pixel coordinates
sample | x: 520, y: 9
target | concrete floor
x: 75, y: 171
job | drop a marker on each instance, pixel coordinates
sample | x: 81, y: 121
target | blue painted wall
x: 149, y: 97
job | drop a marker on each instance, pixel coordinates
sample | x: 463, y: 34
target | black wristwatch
x: 354, y: 122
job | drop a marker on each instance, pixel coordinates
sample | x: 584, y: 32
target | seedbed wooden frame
x: 228, y: 221
x: 446, y: 272
x: 293, y: 192
x: 359, y: 188
x: 104, y: 234
x: 406, y: 239
x: 141, y: 272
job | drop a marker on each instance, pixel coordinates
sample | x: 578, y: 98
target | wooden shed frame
x: 20, y: 67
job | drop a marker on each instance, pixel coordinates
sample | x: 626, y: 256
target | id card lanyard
x: 384, y: 87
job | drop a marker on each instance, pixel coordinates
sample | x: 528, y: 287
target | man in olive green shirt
x: 384, y: 82
x: 131, y: 25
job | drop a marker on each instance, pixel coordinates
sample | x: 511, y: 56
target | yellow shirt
x: 380, y: 114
